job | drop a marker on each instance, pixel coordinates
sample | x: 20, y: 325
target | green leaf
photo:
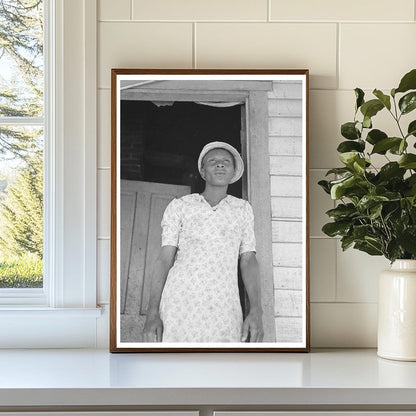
x: 368, y: 248
x: 349, y: 146
x: 338, y: 189
x: 383, y: 145
x: 361, y: 231
x: 374, y: 242
x: 359, y: 165
x: 391, y: 170
x: 336, y: 228
x: 411, y: 180
x: 367, y: 122
x: 412, y: 201
x: 342, y: 179
x: 375, y: 136
x: 392, y: 196
x: 368, y: 201
x: 349, y: 158
x: 408, y: 82
x: 338, y: 171
x: 385, y: 99
x: 408, y: 102
x: 398, y: 149
x: 371, y: 108
x: 411, y: 130
x: 346, y: 242
x: 379, y: 189
x: 403, y: 205
x: 349, y: 131
x: 402, y: 147
x: 359, y: 94
x: 325, y: 186
x: 407, y: 239
x: 408, y: 161
x: 393, y: 250
x: 391, y: 212
x: 375, y: 211
x: 342, y: 211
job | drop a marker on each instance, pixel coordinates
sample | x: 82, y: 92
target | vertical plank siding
x: 285, y: 150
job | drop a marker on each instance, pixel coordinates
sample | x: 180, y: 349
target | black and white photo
x: 209, y: 244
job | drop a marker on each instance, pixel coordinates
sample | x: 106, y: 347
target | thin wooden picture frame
x: 160, y: 121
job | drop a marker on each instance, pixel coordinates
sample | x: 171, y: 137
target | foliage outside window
x: 21, y: 143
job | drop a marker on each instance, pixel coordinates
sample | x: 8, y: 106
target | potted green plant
x: 376, y: 206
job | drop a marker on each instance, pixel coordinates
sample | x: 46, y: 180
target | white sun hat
x: 238, y: 161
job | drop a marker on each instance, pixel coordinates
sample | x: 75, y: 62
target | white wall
x: 345, y: 44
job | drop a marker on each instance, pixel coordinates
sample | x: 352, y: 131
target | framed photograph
x: 209, y: 211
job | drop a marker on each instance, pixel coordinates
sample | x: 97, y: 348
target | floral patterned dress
x: 200, y: 300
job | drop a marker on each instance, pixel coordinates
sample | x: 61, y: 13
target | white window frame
x: 41, y: 296
x: 64, y: 313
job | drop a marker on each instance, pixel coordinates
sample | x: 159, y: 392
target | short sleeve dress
x: 200, y: 300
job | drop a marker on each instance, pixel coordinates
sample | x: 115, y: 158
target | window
x: 64, y: 313
x: 22, y: 128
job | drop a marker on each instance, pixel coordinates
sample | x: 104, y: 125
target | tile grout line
x: 344, y: 302
x: 321, y: 237
x: 194, y: 63
x: 336, y: 269
x: 338, y: 63
x: 306, y: 22
x: 269, y: 11
x: 131, y: 9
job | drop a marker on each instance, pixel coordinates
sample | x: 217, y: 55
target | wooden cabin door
x: 141, y: 209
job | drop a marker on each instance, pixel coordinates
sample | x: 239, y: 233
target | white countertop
x: 96, y: 377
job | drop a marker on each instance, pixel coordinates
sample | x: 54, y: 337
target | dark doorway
x: 161, y: 141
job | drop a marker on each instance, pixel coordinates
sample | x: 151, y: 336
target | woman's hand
x: 153, y: 328
x: 253, y: 325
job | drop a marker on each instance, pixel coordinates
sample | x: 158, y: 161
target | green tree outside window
x: 21, y: 143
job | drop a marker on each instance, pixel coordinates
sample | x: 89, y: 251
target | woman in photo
x: 194, y: 294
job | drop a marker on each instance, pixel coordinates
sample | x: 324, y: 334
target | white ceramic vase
x: 397, y: 312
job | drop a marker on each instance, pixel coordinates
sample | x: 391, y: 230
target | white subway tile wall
x: 387, y: 41
x: 114, y: 10
x: 357, y: 275
x: 323, y: 269
x: 339, y: 325
x: 270, y: 45
x: 142, y: 45
x: 319, y: 203
x: 200, y: 10
x: 345, y: 44
x: 355, y: 10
